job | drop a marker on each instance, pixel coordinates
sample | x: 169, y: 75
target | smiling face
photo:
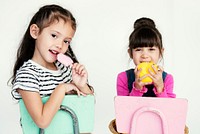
x: 145, y: 54
x: 145, y: 42
x: 50, y: 41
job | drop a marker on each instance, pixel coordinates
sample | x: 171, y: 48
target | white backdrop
x: 100, y: 43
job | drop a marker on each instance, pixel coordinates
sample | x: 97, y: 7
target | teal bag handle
x: 63, y: 123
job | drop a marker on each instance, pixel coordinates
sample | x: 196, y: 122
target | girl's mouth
x: 145, y: 61
x: 54, y: 52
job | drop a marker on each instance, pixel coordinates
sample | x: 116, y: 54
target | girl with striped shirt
x: 37, y: 73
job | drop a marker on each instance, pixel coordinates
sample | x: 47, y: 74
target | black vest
x: 131, y: 78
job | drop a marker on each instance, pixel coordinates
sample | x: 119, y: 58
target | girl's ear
x: 34, y: 31
x: 130, y: 53
x: 162, y: 52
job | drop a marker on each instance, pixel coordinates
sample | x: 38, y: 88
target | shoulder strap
x: 164, y: 74
x: 131, y: 78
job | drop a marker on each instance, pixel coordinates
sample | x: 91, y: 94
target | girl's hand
x: 157, y: 78
x: 79, y: 75
x: 138, y: 81
x: 70, y: 88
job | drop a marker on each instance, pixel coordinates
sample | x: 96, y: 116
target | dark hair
x: 145, y: 34
x: 43, y: 18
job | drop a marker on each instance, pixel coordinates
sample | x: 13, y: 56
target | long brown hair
x: 43, y: 18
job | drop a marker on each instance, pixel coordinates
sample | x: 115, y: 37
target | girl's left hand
x: 157, y: 78
x: 79, y: 75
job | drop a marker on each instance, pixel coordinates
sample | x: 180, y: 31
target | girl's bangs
x: 145, y: 38
x: 145, y: 42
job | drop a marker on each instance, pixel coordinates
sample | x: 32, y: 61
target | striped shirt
x: 36, y: 78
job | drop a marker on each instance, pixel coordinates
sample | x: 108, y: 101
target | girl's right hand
x: 138, y: 81
x: 70, y: 88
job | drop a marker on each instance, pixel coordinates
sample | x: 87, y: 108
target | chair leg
x: 41, y: 131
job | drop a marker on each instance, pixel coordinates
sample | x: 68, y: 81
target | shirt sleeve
x: 122, y: 87
x: 168, y: 88
x: 137, y: 92
x: 25, y: 80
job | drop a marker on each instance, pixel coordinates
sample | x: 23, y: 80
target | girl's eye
x: 151, y: 49
x: 138, y: 49
x: 53, y: 35
x: 67, y: 42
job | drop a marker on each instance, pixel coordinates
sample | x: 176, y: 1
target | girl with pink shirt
x: 145, y: 45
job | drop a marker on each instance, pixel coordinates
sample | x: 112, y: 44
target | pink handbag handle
x: 148, y: 109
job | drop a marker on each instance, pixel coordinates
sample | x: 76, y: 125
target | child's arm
x: 79, y: 73
x: 162, y: 88
x: 80, y: 77
x: 168, y: 88
x: 122, y: 84
x: 42, y: 114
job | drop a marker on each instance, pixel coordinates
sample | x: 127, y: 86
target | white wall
x: 101, y: 43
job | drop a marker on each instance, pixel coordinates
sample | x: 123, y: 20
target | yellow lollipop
x: 145, y: 70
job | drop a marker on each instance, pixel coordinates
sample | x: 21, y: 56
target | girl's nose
x: 144, y: 55
x: 59, y: 45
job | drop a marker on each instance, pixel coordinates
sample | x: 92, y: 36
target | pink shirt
x: 122, y: 87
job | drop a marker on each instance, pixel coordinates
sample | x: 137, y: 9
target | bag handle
x: 149, y: 109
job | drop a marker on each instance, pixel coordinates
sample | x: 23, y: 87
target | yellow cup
x: 145, y: 70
